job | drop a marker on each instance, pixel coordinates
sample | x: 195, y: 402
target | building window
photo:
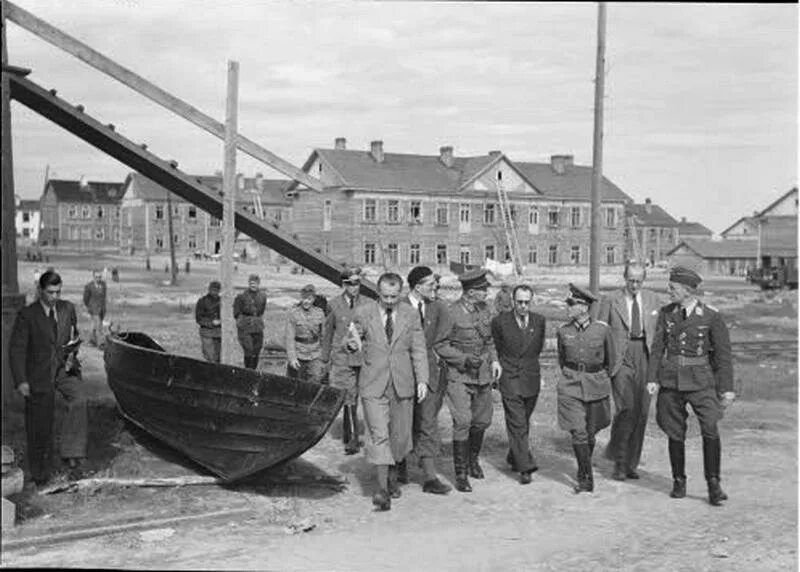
x: 391, y: 254
x: 611, y: 255
x: 117, y: 212
x: 191, y: 242
x: 611, y: 217
x: 213, y: 221
x: 176, y: 210
x: 652, y: 234
x: 575, y: 254
x: 86, y: 211
x: 533, y: 254
x: 499, y: 175
x: 327, y: 215
x: 191, y: 214
x: 463, y: 213
x: 26, y: 232
x: 26, y: 216
x: 413, y: 254
x: 369, y: 210
x: 176, y: 239
x: 115, y: 234
x: 277, y: 215
x: 415, y: 212
x: 369, y: 253
x: 442, y: 214
x: 488, y: 251
x: 552, y: 217
x: 99, y: 233
x: 463, y: 254
x: 72, y: 211
x: 100, y: 212
x: 75, y: 233
x: 575, y: 217
x: 159, y: 212
x: 552, y: 254
x: 441, y: 254
x: 393, y: 211
x: 488, y: 213
x: 533, y: 216
x: 159, y: 241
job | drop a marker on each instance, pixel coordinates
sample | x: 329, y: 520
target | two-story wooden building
x: 656, y: 230
x: 27, y: 220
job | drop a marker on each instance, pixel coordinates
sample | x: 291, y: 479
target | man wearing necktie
x: 40, y: 360
x: 394, y: 370
x: 631, y: 313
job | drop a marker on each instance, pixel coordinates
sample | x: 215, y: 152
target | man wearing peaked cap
x: 474, y: 280
x: 685, y: 276
x: 248, y: 311
x: 302, y: 338
x: 580, y: 295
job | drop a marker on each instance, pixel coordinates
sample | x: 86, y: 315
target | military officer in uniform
x: 303, y: 337
x: 344, y: 366
x: 585, y: 355
x: 472, y: 369
x: 691, y: 364
x: 248, y: 311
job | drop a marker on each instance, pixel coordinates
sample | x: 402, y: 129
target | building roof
x: 693, y: 228
x: 28, y: 205
x: 776, y: 202
x: 649, y: 214
x: 272, y: 193
x: 751, y: 220
x: 706, y: 248
x: 94, y: 192
x: 575, y: 183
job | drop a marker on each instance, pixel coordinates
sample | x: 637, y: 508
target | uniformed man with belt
x: 248, y: 311
x: 303, y: 338
x: 472, y: 368
x: 691, y: 365
x: 585, y: 355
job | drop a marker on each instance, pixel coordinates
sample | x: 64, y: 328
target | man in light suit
x: 392, y: 343
x: 519, y: 338
x: 632, y: 314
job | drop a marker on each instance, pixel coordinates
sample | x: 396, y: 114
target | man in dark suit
x: 94, y: 298
x: 519, y: 338
x: 40, y: 349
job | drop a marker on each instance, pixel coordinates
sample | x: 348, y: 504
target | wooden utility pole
x: 228, y: 214
x: 173, y: 267
x: 597, y: 154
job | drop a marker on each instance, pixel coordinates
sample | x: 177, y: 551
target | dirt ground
x: 631, y: 525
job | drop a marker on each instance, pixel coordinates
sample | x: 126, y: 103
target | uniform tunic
x: 584, y: 355
x: 303, y: 339
x: 692, y: 363
x: 248, y: 310
x: 206, y: 311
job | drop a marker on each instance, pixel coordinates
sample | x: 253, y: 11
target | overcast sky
x: 700, y: 110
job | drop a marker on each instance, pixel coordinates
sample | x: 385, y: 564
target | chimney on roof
x: 495, y: 153
x: 259, y: 182
x: 560, y: 163
x: 340, y: 143
x: 84, y: 183
x: 648, y: 206
x: 683, y: 220
x: 376, y: 150
x: 446, y: 156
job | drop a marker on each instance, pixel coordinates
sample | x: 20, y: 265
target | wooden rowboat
x: 232, y: 421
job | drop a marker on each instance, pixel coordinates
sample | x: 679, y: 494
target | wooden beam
x: 83, y: 52
x: 227, y: 229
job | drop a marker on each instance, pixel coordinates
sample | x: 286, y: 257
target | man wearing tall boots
x: 248, y: 311
x: 631, y: 313
x: 692, y: 355
x: 344, y: 366
x: 436, y: 324
x: 585, y: 355
x: 472, y: 368
x: 519, y: 338
x: 395, y: 368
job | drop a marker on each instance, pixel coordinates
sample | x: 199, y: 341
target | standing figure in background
x: 41, y: 355
x: 303, y: 338
x: 207, y: 316
x: 631, y: 313
x: 94, y: 298
x: 585, y: 355
x: 503, y: 301
x: 691, y: 365
x: 344, y: 366
x: 248, y: 310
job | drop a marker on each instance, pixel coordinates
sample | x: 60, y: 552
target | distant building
x: 400, y: 209
x: 656, y: 230
x: 693, y: 230
x: 27, y: 220
x: 82, y: 214
x: 714, y: 257
x: 746, y: 228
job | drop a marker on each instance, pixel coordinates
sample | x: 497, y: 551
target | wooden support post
x: 597, y: 154
x: 228, y: 214
x: 173, y: 266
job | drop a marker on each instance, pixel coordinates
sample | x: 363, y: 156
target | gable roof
x: 575, y: 183
x: 94, y: 192
x: 776, y: 202
x: 28, y: 205
x: 656, y: 217
x: 751, y: 220
x: 688, y: 227
x: 707, y: 248
x: 272, y: 193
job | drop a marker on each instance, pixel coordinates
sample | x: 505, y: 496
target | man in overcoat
x: 94, y: 298
x: 519, y: 339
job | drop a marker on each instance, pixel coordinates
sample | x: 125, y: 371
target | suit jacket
x: 437, y: 327
x: 402, y: 362
x: 36, y: 355
x: 518, y: 352
x: 94, y: 298
x: 614, y: 312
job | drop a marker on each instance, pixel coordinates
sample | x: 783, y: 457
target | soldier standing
x: 248, y: 310
x: 303, y: 338
x: 207, y: 316
x: 472, y: 369
x: 691, y: 365
x: 585, y: 355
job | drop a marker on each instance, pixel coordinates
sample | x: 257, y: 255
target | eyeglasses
x: 523, y: 302
x: 634, y: 281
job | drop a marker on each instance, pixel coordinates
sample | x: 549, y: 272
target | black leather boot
x: 711, y: 461
x: 402, y: 472
x: 346, y: 429
x: 677, y: 460
x: 475, y: 444
x: 460, y: 456
x: 585, y: 477
x: 353, y: 445
x: 394, y: 487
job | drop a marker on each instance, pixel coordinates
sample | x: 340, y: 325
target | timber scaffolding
x: 74, y: 119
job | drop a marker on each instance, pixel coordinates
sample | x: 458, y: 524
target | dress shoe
x: 678, y: 488
x: 435, y: 487
x: 632, y: 474
x: 381, y: 500
x: 525, y: 478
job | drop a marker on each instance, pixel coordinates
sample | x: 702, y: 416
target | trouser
x: 388, y: 421
x: 212, y: 348
x: 345, y: 377
x: 583, y: 419
x: 671, y: 412
x: 312, y: 370
x: 518, y: 410
x: 39, y: 425
x: 426, y: 422
x: 631, y: 404
x: 97, y: 336
x: 252, y: 343
x: 471, y: 408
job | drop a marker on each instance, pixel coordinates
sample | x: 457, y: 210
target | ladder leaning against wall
x: 509, y: 225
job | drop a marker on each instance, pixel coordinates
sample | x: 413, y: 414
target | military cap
x: 417, y: 274
x: 474, y: 279
x: 686, y: 276
x: 214, y: 285
x: 254, y: 278
x: 580, y: 295
x: 308, y: 290
x: 351, y: 275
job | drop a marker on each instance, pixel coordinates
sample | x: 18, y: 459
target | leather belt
x: 639, y: 339
x: 305, y: 340
x: 583, y: 368
x: 690, y: 360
